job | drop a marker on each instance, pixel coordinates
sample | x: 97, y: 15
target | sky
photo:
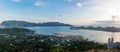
x: 77, y: 12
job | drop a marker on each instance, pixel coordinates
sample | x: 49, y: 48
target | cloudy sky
x: 67, y: 11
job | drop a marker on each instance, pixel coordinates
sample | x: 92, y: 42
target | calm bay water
x: 98, y: 36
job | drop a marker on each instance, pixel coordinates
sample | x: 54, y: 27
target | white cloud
x: 39, y: 3
x: 104, y: 9
x: 1, y: 7
x: 69, y: 0
x: 62, y: 15
x: 16, y: 0
x: 79, y: 4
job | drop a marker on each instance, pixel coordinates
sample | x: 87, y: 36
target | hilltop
x: 16, y: 31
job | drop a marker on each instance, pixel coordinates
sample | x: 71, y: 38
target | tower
x: 110, y: 43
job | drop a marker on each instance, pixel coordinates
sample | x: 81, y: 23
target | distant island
x: 14, y: 23
x: 99, y: 28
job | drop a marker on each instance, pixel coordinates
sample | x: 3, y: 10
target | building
x: 110, y: 44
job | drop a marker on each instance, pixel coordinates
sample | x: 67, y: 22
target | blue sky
x: 67, y: 11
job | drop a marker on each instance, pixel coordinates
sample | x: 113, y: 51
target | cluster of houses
x: 68, y: 36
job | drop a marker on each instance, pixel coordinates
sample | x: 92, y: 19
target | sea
x: 92, y: 35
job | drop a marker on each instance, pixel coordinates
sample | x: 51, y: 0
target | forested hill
x: 14, y: 23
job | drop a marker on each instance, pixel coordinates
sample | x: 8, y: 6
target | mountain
x: 54, y: 24
x: 14, y: 23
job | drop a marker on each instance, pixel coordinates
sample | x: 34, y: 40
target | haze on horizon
x: 67, y: 11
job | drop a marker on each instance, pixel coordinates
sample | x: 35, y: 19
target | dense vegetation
x: 38, y: 44
x: 15, y: 31
x: 43, y: 43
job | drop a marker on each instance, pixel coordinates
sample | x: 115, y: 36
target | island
x: 14, y: 23
x: 99, y: 28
